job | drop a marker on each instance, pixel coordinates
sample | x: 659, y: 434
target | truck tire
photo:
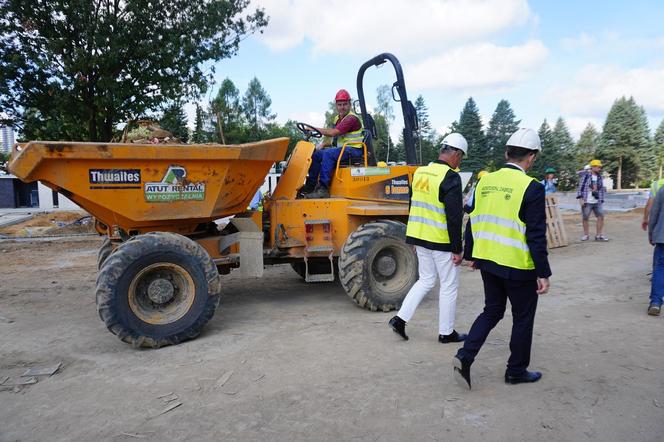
x: 104, y: 251
x: 157, y: 289
x: 316, y: 266
x: 377, y: 267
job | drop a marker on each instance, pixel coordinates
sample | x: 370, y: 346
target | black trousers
x: 523, y: 297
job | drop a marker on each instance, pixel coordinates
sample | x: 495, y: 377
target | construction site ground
x: 285, y: 360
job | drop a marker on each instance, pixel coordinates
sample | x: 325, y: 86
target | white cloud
x: 478, y: 65
x: 314, y: 118
x: 577, y: 124
x: 584, y: 41
x: 369, y: 27
x: 597, y: 86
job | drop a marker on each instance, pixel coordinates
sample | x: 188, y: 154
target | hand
x: 542, y: 286
x: 471, y: 264
x: 644, y: 225
x: 319, y: 146
x: 457, y: 258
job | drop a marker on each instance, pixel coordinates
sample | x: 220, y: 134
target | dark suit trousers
x: 523, y: 297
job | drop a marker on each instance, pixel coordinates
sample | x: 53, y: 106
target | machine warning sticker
x: 174, y: 187
x: 114, y: 178
x: 397, y: 188
x: 369, y: 171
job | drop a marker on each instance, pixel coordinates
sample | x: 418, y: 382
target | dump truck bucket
x: 145, y: 187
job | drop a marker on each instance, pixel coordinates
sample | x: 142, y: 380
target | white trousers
x: 434, y: 263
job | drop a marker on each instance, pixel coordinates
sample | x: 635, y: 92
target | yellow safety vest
x: 656, y: 185
x: 426, y: 219
x: 354, y: 138
x: 498, y: 233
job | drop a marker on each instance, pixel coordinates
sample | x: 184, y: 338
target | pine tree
x: 198, y: 136
x: 624, y: 142
x: 587, y: 145
x: 659, y: 148
x: 502, y: 125
x: 424, y: 137
x: 548, y: 151
x: 470, y: 126
x: 564, y: 155
x: 174, y: 120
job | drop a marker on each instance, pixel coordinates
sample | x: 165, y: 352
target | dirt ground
x: 285, y: 360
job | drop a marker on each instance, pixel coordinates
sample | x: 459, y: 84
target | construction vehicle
x: 163, y: 256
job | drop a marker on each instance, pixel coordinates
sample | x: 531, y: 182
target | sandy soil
x: 284, y: 360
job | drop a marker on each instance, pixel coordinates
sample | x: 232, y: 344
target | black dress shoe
x: 527, y: 376
x: 452, y: 337
x: 399, y: 326
x: 461, y: 371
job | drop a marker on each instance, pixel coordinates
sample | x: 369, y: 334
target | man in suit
x: 506, y: 240
x: 434, y: 229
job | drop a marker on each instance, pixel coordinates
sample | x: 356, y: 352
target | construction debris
x: 43, y: 371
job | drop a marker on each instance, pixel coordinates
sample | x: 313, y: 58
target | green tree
x: 198, y: 135
x: 256, y: 106
x: 174, y: 120
x: 226, y: 112
x: 470, y: 126
x: 425, y: 135
x: 659, y: 148
x: 93, y: 64
x: 564, y: 159
x: 548, y: 151
x: 625, y: 142
x: 587, y: 145
x: 383, y: 117
x: 503, y: 123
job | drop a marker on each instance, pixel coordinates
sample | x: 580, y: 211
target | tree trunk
x: 221, y: 128
x: 619, y: 184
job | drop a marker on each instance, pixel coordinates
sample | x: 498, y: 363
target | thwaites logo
x: 174, y: 187
x: 114, y: 178
x: 397, y: 188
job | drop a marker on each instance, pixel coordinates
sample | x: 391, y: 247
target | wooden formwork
x: 555, y: 228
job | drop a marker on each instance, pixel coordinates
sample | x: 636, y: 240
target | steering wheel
x: 309, y: 131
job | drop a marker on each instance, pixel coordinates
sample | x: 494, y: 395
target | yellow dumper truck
x: 163, y: 258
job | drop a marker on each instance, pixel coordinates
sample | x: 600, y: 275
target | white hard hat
x: 586, y: 167
x: 456, y: 141
x: 526, y: 138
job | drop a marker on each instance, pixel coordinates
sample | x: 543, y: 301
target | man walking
x: 434, y: 228
x: 506, y: 240
x: 656, y: 237
x: 591, y: 194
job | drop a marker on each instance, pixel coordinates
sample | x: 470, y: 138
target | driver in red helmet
x: 347, y: 131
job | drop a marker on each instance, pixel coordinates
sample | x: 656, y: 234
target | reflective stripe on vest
x: 426, y: 219
x: 656, y: 185
x: 354, y: 138
x: 498, y: 233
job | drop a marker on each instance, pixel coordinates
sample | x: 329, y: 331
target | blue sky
x: 549, y: 59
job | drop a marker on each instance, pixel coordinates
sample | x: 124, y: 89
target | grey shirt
x: 656, y: 220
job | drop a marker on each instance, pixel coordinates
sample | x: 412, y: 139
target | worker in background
x: 656, y: 238
x: 656, y: 185
x: 550, y: 181
x: 434, y: 228
x: 506, y: 240
x: 471, y: 193
x: 347, y: 130
x: 591, y: 194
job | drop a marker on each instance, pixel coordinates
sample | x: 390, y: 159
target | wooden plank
x: 555, y: 228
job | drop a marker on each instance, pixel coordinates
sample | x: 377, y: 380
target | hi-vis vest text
x: 354, y: 138
x: 498, y: 233
x: 656, y: 185
x: 427, y: 220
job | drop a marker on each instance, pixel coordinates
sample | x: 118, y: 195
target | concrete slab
x: 9, y: 219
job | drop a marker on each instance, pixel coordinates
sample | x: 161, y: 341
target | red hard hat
x: 342, y: 95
